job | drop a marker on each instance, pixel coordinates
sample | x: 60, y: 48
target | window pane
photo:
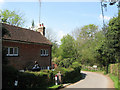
x: 41, y: 51
x: 7, y: 51
x: 15, y: 50
x: 46, y: 51
x: 11, y: 50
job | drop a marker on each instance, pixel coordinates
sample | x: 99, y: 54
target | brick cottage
x: 25, y: 46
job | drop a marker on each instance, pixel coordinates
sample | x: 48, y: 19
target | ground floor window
x: 12, y: 51
x: 44, y: 52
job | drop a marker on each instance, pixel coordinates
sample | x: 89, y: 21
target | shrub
x: 113, y: 69
x: 76, y: 66
x: 32, y: 80
x: 41, y: 79
x: 9, y: 75
x: 69, y: 73
x: 27, y: 79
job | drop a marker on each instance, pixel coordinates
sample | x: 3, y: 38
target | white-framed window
x: 12, y: 51
x: 44, y: 52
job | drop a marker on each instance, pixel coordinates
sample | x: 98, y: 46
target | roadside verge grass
x: 93, y: 70
x: 55, y: 87
x: 115, y: 80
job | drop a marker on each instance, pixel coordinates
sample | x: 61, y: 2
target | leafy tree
x: 33, y: 25
x: 5, y: 31
x: 85, y: 44
x: 11, y: 17
x: 66, y: 52
x: 113, y: 36
x: 109, y: 50
x: 67, y: 62
x: 88, y: 31
x: 55, y: 50
x: 67, y: 46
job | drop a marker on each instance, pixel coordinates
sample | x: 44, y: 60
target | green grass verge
x: 54, y: 87
x: 93, y: 70
x: 115, y: 80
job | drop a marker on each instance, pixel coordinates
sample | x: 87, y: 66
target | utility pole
x: 103, y: 5
x: 39, y: 10
x: 102, y: 13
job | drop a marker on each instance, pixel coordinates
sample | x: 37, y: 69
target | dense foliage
x: 42, y: 79
x: 11, y: 17
x: 90, y: 45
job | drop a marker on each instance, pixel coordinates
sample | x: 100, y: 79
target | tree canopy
x: 91, y: 46
x: 12, y: 17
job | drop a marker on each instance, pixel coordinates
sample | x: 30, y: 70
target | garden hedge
x: 113, y: 69
x: 41, y: 79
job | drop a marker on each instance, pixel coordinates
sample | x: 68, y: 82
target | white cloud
x: 1, y: 1
x: 60, y: 35
x: 105, y: 17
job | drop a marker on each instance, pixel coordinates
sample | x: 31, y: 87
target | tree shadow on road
x: 83, y: 76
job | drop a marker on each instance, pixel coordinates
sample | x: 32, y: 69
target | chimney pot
x: 42, y: 24
x: 41, y: 29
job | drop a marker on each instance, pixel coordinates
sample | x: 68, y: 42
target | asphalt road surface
x: 93, y: 80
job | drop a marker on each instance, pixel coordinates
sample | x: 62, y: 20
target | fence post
x: 56, y: 80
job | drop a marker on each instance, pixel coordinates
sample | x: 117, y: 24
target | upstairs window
x: 12, y: 51
x: 44, y: 52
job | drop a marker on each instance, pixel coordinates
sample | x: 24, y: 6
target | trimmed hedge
x: 68, y: 74
x: 42, y: 79
x: 8, y: 76
x: 27, y: 79
x: 113, y: 69
x: 33, y: 80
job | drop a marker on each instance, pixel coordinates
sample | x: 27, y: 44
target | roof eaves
x: 19, y: 41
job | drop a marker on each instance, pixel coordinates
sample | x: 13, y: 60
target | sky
x: 59, y: 16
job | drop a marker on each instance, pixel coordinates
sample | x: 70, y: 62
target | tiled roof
x: 25, y: 35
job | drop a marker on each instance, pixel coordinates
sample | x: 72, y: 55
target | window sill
x: 44, y: 55
x: 12, y: 55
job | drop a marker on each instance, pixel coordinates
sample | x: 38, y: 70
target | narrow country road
x: 93, y: 80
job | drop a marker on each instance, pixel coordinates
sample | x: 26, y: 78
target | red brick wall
x: 28, y: 54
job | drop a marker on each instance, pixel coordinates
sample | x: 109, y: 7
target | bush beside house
x: 26, y: 79
x: 42, y: 79
x: 8, y: 76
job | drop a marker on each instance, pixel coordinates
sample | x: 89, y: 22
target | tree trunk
x: 107, y: 67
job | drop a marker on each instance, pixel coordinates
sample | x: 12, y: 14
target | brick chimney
x: 41, y: 29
